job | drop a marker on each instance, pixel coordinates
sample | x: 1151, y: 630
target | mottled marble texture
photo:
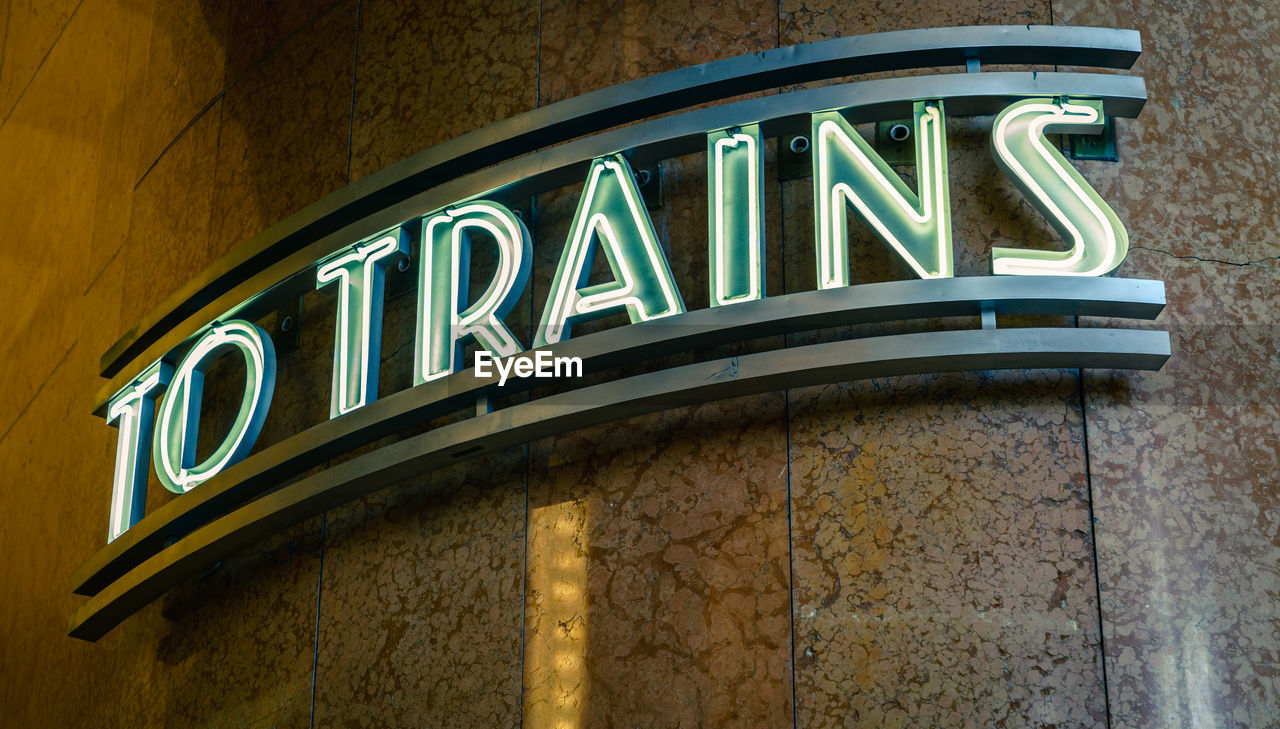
x: 258, y: 27
x: 807, y: 21
x: 305, y: 375
x: 941, y: 541
x: 1183, y: 461
x: 598, y: 43
x: 285, y: 127
x: 413, y: 90
x: 252, y: 671
x: 941, y: 548
x: 1184, y: 474
x: 657, y: 572
x: 804, y: 21
x: 421, y: 616
x: 168, y: 240
x: 657, y: 561
x: 1186, y: 179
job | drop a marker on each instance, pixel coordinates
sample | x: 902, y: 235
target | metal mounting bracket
x: 894, y: 142
x: 649, y: 181
x: 1100, y: 147
x: 795, y: 157
x: 284, y: 334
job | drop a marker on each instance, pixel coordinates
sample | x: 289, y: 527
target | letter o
x: 178, y: 422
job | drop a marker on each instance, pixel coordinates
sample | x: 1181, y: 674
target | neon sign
x: 848, y: 173
x: 735, y: 177
x: 916, y: 226
x: 178, y: 421
x: 1098, y: 238
x: 158, y: 411
x: 133, y: 410
x: 359, y: 273
x: 445, y: 321
x: 611, y: 214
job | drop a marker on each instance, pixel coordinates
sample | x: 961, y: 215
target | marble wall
x: 1031, y: 549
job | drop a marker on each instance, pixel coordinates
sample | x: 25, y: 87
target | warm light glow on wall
x: 555, y: 678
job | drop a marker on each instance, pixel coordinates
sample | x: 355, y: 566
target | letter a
x: 612, y: 211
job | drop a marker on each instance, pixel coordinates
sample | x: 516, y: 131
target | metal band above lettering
x: 623, y: 104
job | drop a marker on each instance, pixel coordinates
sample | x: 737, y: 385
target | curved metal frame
x: 890, y: 301
x: 898, y: 354
x: 965, y: 94
x: 623, y: 104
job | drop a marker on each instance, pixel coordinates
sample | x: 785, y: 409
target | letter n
x: 846, y: 170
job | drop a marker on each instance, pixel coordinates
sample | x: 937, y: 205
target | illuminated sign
x: 611, y: 215
x: 735, y: 235
x: 445, y: 321
x: 1098, y: 238
x: 178, y: 422
x: 133, y: 409
x: 158, y: 411
x: 847, y: 169
x: 359, y: 273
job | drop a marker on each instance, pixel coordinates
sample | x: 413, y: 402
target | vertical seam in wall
x: 528, y: 447
x: 40, y: 65
x: 324, y: 516
x: 1093, y: 519
x: 786, y: 417
x: 537, y: 83
x: 1093, y: 533
x: 528, y: 477
x: 1093, y: 538
x: 524, y: 571
x: 777, y: 26
x: 315, y: 655
x: 791, y: 571
x: 355, y: 68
